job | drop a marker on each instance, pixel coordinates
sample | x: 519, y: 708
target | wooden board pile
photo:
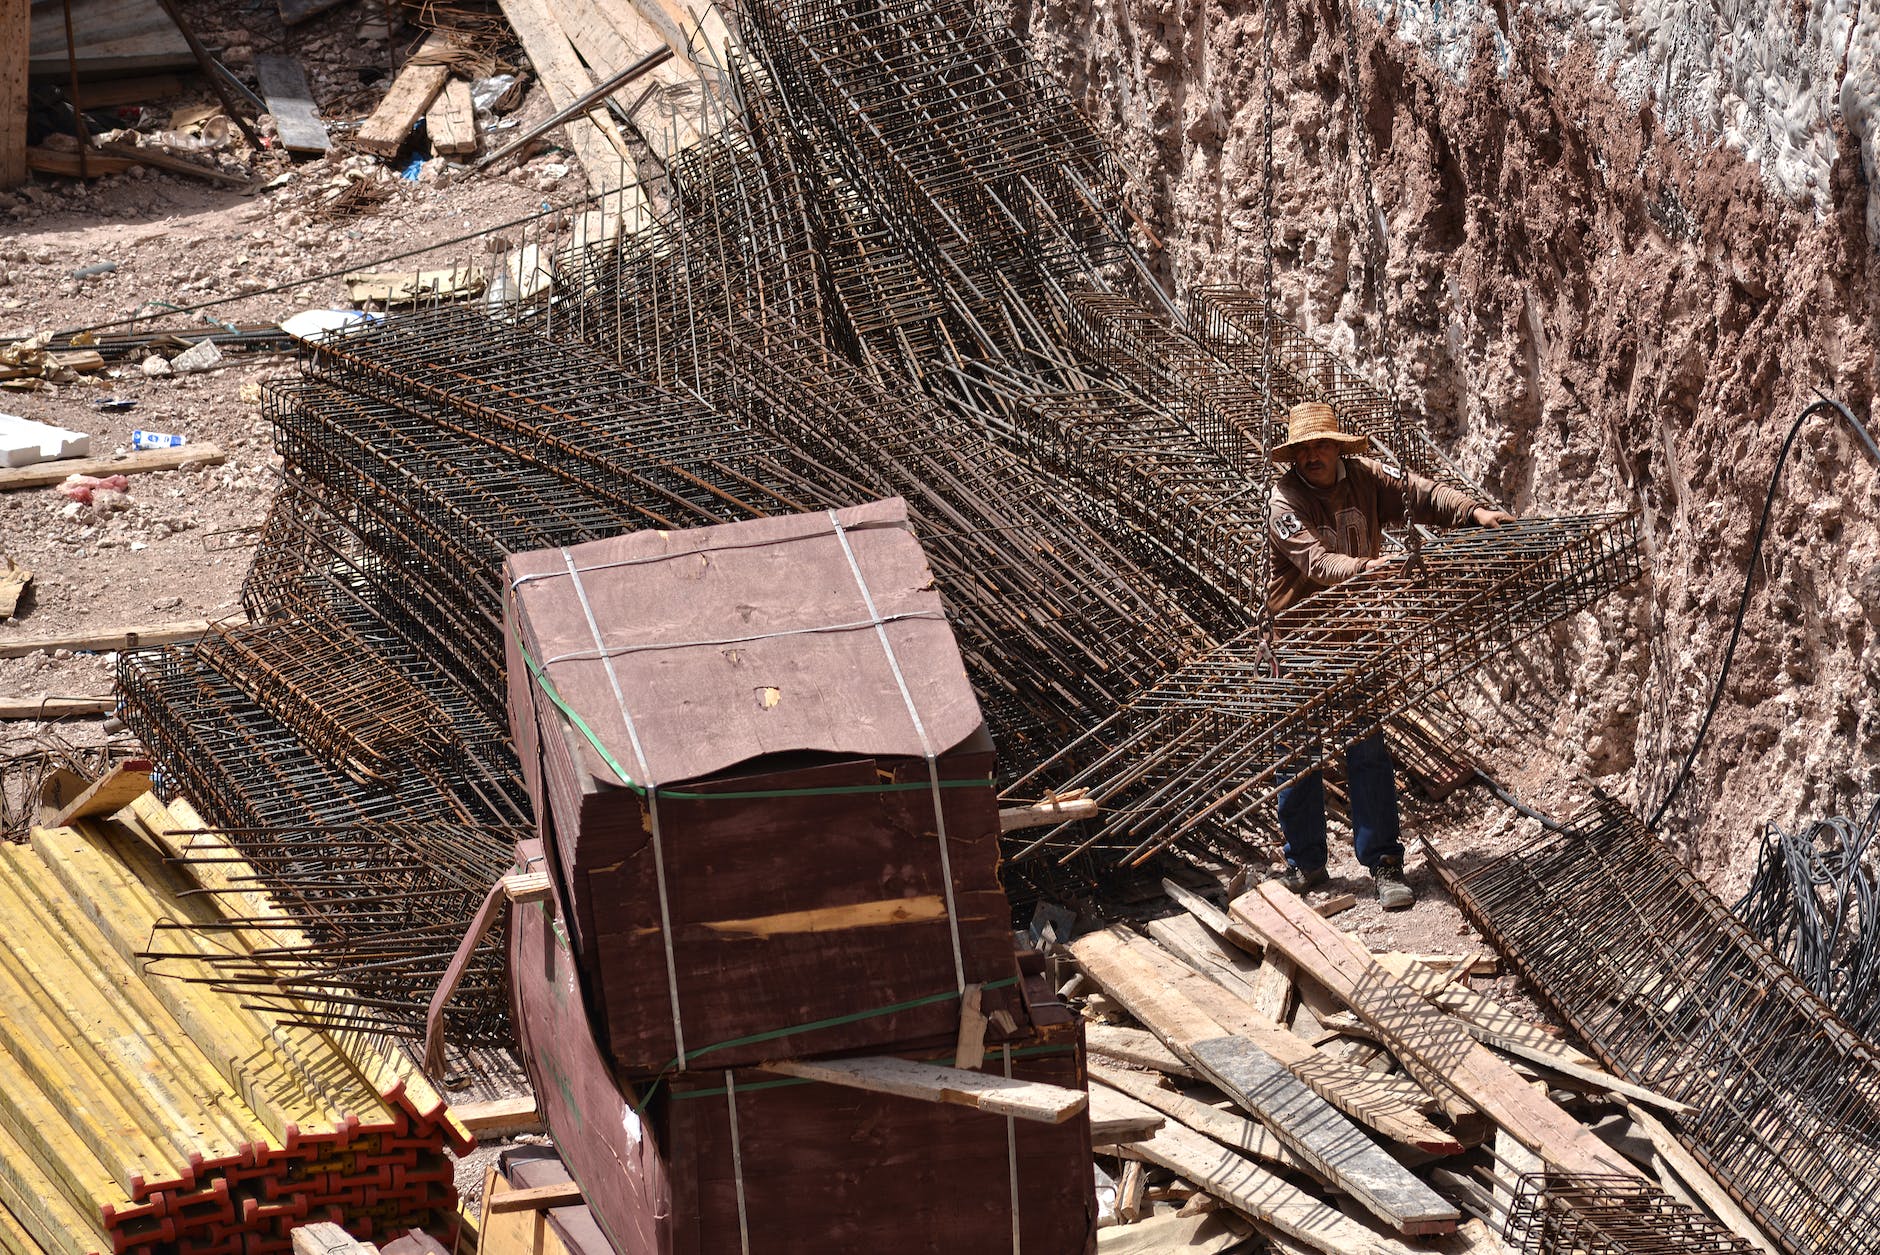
x: 141, y: 1110
x: 1345, y: 1101
x: 763, y: 787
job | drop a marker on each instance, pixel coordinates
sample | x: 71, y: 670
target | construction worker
x: 1326, y: 516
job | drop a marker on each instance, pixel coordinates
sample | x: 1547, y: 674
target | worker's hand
x: 1485, y: 517
x: 1378, y: 564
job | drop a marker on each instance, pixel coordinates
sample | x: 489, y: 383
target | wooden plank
x: 67, y: 165
x: 1185, y: 938
x: 1155, y: 991
x: 931, y: 1082
x: 1135, y: 1046
x: 1162, y: 987
x: 388, y: 130
x: 111, y: 792
x: 1335, y: 1149
x: 1434, y: 1047
x: 602, y: 151
x: 284, y: 86
x: 1235, y: 1132
x: 1494, y: 1025
x: 969, y: 1047
x: 451, y: 122
x: 141, y: 637
x: 16, y: 17
x: 1273, y: 991
x: 1170, y: 1233
x: 16, y: 477
x: 610, y: 37
x: 499, y: 1117
x: 54, y: 707
x: 521, y: 887
x: 1113, y: 1123
x: 540, y: 1198
x: 1048, y: 813
x: 323, y: 1237
x: 1255, y: 1192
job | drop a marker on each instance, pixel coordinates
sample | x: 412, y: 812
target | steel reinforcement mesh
x: 1560, y: 1214
x: 1674, y: 993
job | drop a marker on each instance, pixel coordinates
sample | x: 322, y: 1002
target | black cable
x: 1824, y: 405
x: 1501, y: 791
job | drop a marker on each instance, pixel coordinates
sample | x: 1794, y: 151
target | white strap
x: 926, y: 746
x: 652, y: 808
x: 737, y: 1163
x: 1011, y: 1150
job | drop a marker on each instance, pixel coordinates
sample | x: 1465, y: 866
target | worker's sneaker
x: 1300, y: 879
x: 1393, y: 891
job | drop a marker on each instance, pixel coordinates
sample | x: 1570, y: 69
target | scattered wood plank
x: 930, y: 1082
x: 68, y: 165
x: 1113, y: 1123
x: 141, y: 637
x: 1134, y: 1046
x: 1048, y: 813
x: 1168, y: 1233
x: 602, y: 151
x: 393, y: 287
x: 1434, y: 1047
x: 969, y: 1047
x: 16, y: 477
x: 1235, y: 1132
x: 323, y: 1237
x: 1257, y: 1193
x: 1155, y: 988
x: 451, y: 121
x: 1129, y: 1193
x: 388, y: 130
x: 1334, y: 1148
x: 158, y: 159
x: 109, y: 793
x: 54, y: 707
x: 1385, y: 1104
x: 522, y: 887
x: 1493, y: 1025
x: 1335, y: 905
x: 540, y: 1198
x: 284, y: 86
x: 500, y: 1117
x: 1185, y: 938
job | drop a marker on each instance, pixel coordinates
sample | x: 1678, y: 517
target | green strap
x: 613, y: 764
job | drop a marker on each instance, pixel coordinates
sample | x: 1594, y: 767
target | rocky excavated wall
x: 1593, y: 313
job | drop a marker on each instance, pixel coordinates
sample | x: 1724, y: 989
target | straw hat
x: 1315, y: 420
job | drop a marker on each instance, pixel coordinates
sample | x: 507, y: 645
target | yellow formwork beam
x: 114, y: 1049
x: 236, y: 1041
x: 38, y: 1213
x: 40, y: 1140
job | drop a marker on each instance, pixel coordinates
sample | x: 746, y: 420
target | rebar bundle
x: 1673, y: 992
x: 1814, y: 901
x: 1196, y: 757
x: 1560, y: 1214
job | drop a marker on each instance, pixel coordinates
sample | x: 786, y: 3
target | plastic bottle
x: 141, y: 439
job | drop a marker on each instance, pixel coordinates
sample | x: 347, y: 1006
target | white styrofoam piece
x: 24, y: 442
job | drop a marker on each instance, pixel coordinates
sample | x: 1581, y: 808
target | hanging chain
x: 1376, y: 262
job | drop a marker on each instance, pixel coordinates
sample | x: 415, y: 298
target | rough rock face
x: 1593, y: 313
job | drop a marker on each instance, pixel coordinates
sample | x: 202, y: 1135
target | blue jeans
x: 1372, y: 779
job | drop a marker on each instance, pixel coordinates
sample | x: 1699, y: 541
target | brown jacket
x: 1321, y: 538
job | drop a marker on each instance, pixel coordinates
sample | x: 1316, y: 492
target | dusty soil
x: 180, y: 548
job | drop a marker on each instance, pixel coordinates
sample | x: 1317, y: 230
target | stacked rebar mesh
x: 1674, y: 993
x: 903, y: 270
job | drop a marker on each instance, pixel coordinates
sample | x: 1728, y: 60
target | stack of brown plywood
x: 762, y: 784
x: 1344, y: 1101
